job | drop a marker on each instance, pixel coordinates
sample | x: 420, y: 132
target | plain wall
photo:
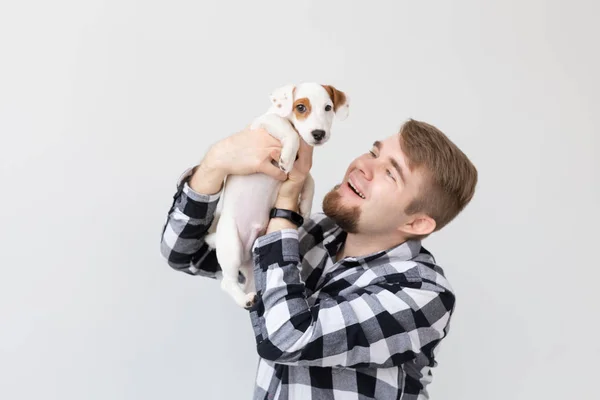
x: 104, y: 103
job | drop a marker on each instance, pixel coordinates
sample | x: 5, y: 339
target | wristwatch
x: 290, y: 215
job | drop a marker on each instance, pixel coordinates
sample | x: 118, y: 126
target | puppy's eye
x: 328, y: 108
x: 301, y: 108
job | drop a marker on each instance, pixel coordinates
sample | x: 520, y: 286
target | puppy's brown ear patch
x: 337, y: 97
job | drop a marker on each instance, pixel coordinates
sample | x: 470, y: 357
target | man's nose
x: 318, y: 134
x: 365, y: 168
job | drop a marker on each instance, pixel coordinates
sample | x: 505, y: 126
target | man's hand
x: 246, y: 152
x: 290, y: 190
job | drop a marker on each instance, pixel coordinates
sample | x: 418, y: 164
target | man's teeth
x: 356, y: 190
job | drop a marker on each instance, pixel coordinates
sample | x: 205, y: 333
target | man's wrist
x: 207, y: 179
x: 278, y: 224
x: 287, y: 203
x: 284, y: 203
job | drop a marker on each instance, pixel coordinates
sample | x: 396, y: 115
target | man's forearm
x: 189, y: 218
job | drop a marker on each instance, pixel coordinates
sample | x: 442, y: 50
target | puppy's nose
x: 318, y: 134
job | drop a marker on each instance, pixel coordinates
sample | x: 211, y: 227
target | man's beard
x: 345, y: 217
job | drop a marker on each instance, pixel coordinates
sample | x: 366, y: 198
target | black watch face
x: 297, y: 219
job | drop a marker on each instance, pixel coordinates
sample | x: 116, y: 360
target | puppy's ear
x: 282, y: 100
x: 341, y: 102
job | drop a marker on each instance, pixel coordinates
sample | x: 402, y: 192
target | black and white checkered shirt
x: 358, y: 328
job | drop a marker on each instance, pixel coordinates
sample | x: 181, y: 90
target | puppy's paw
x: 286, y: 164
x: 251, y: 300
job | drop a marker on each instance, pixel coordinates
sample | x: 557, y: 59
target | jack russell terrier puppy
x: 306, y: 110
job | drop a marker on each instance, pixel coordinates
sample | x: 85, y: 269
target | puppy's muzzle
x: 318, y: 134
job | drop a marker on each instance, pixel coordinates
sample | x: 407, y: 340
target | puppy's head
x: 311, y: 107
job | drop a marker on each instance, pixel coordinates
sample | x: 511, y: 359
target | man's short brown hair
x: 449, y: 176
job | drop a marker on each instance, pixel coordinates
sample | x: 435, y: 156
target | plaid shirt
x: 358, y: 328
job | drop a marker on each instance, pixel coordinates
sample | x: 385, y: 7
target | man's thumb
x: 275, y: 154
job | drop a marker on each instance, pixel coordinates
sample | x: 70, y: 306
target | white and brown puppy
x: 308, y: 110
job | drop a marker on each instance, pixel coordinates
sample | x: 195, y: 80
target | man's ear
x: 282, y: 100
x: 341, y: 102
x: 419, y: 225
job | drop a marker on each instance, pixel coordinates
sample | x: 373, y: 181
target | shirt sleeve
x: 380, y: 325
x: 182, y: 242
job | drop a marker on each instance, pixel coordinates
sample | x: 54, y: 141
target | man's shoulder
x: 431, y: 273
x: 315, y: 230
x: 316, y: 223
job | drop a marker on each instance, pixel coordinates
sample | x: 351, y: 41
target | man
x: 349, y: 304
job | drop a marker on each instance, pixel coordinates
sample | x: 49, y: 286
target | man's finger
x: 305, y: 151
x: 270, y: 140
x: 268, y: 168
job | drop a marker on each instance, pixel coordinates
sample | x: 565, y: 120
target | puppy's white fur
x: 247, y: 200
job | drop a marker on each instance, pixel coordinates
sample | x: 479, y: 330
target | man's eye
x: 390, y: 174
x: 372, y: 153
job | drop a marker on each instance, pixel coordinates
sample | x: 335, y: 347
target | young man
x: 349, y: 304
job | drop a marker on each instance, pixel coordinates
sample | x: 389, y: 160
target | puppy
x: 307, y: 110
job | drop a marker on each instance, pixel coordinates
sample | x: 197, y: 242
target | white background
x: 104, y: 103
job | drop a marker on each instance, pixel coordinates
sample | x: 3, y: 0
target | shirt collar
x: 405, y: 251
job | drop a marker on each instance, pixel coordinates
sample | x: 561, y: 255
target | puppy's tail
x: 211, y: 237
x: 211, y: 240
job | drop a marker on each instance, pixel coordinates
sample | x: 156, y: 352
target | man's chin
x: 346, y: 217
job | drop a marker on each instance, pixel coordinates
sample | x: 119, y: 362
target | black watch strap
x: 290, y: 215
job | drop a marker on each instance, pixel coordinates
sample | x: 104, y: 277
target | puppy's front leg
x: 306, y: 196
x: 281, y: 129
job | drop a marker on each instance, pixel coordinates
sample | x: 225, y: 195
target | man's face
x: 386, y: 187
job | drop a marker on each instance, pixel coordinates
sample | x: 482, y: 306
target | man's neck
x: 359, y: 245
